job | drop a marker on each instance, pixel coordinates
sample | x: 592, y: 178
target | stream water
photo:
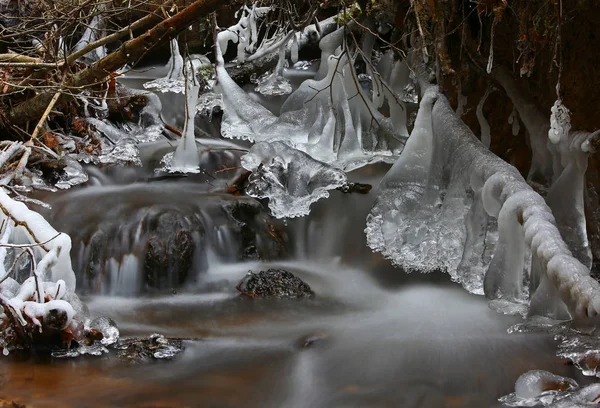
x: 373, y: 336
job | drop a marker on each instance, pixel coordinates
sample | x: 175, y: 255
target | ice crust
x: 289, y: 178
x: 449, y: 204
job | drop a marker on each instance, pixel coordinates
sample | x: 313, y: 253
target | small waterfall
x: 160, y: 236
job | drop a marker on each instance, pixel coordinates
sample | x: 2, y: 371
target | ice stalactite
x: 275, y: 84
x: 396, y: 95
x: 330, y: 117
x: 490, y: 63
x: 175, y: 62
x: 175, y: 81
x: 566, y: 194
x: 289, y: 178
x: 486, y: 136
x: 186, y: 158
x: 513, y: 119
x: 93, y: 32
x: 446, y: 179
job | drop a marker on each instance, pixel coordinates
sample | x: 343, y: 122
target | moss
x: 353, y: 12
x: 206, y: 72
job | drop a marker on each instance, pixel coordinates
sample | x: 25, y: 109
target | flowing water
x: 372, y: 336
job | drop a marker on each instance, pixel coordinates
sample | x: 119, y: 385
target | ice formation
x: 119, y: 144
x: 175, y: 80
x: 542, y: 388
x: 289, y: 178
x: 44, y: 302
x: 245, y: 34
x: 186, y: 159
x: 449, y: 204
x: 275, y: 84
x: 330, y: 118
x: 486, y: 137
x: 577, y: 344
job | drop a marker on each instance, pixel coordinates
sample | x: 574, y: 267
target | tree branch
x: 129, y: 53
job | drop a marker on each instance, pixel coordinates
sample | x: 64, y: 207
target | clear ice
x: 289, y: 178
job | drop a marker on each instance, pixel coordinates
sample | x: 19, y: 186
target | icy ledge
x: 449, y: 204
x: 289, y: 178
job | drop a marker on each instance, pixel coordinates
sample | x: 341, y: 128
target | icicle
x: 504, y: 275
x: 92, y: 33
x: 186, y: 158
x: 513, y: 119
x: 565, y: 197
x: 175, y: 62
x: 490, y: 63
x: 426, y: 194
x: 275, y: 84
x: 175, y: 79
x: 486, y: 137
x: 294, y: 52
x: 378, y: 94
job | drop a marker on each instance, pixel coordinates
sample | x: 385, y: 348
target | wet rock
x: 274, y: 283
x: 169, y: 252
x: 155, y: 347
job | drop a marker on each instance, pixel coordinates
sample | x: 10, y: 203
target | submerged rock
x: 155, y: 347
x: 274, y: 283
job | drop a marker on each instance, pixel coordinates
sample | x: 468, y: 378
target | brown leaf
x: 50, y: 140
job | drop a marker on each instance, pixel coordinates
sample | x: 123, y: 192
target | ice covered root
x: 450, y: 204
